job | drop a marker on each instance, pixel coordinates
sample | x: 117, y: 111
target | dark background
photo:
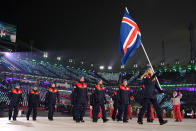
x: 89, y: 30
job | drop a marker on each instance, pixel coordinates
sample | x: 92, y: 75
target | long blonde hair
x: 145, y: 74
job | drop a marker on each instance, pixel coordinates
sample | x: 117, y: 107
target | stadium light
x: 58, y: 58
x: 101, y: 67
x: 122, y: 66
x: 45, y: 55
x: 177, y: 62
x: 135, y: 65
x: 109, y: 67
x: 7, y: 53
x: 192, y: 61
x: 162, y: 63
x: 70, y: 60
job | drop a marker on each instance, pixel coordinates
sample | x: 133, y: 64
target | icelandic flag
x: 130, y: 37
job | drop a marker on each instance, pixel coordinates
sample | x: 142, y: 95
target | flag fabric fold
x: 130, y: 37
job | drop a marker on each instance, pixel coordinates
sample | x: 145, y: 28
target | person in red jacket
x: 149, y: 96
x: 33, y: 102
x: 123, y: 97
x: 52, y: 96
x: 15, y: 99
x: 80, y: 99
x: 100, y: 101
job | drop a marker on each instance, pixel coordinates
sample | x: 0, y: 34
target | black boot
x: 119, y: 119
x: 50, y: 119
x: 74, y: 118
x: 149, y: 121
x: 162, y: 122
x: 27, y: 118
x: 82, y: 120
x: 125, y: 121
x: 94, y: 120
x: 113, y: 118
x: 105, y: 120
x: 77, y: 120
x: 140, y: 122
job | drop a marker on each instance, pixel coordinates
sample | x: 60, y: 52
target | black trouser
x: 80, y: 110
x: 145, y: 104
x: 14, y: 107
x: 34, y: 108
x: 74, y: 111
x: 96, y: 110
x: 123, y: 110
x: 149, y: 111
x: 115, y: 111
x: 51, y: 111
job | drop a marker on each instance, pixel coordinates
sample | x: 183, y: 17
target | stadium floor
x: 66, y: 123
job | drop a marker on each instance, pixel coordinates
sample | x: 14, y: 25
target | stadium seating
x: 170, y: 79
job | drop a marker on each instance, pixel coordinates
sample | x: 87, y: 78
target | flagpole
x: 126, y: 9
x: 150, y: 64
x: 147, y: 58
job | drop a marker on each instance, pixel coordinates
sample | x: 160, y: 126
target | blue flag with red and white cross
x: 130, y: 37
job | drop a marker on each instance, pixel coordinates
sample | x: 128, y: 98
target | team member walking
x: 15, y: 99
x: 123, y: 101
x: 52, y: 96
x: 81, y: 99
x: 100, y: 101
x: 33, y: 102
x: 149, y: 85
